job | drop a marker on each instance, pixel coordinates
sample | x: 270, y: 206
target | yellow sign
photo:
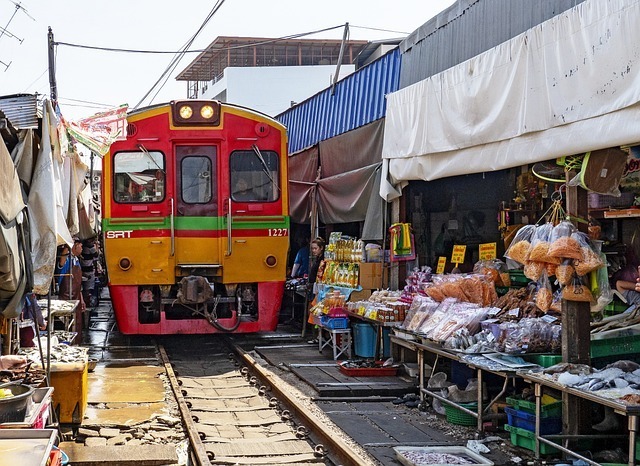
x: 487, y: 251
x: 457, y: 257
x: 442, y: 261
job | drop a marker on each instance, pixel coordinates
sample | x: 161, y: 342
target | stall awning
x: 566, y: 86
x: 342, y: 174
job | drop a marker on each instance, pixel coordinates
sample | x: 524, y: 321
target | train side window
x: 139, y: 177
x: 254, y: 176
x: 196, y: 179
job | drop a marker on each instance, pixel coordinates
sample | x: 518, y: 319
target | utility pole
x: 345, y: 37
x: 52, y: 67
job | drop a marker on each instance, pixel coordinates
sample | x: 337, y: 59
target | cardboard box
x: 371, y: 275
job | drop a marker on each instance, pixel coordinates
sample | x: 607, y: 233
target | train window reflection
x: 139, y: 177
x: 254, y: 176
x: 196, y: 179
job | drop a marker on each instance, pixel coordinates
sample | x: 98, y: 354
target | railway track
x: 237, y: 412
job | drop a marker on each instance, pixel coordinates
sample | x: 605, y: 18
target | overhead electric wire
x: 178, y: 56
x: 381, y: 30
x: 252, y: 44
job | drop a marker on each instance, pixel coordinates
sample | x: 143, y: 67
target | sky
x: 90, y: 81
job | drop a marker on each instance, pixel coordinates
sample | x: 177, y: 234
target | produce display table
x: 478, y: 363
x: 630, y: 411
x: 62, y: 310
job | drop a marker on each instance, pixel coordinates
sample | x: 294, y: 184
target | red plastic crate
x: 55, y: 458
x: 377, y: 371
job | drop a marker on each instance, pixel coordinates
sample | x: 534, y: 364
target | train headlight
x: 207, y: 112
x: 195, y: 113
x: 271, y: 261
x: 125, y: 263
x: 185, y: 112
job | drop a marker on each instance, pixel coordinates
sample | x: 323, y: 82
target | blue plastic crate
x: 527, y: 421
x: 334, y: 322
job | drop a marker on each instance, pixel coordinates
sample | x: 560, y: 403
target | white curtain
x: 568, y: 85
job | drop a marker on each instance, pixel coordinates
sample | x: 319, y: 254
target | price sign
x: 487, y: 251
x: 457, y: 257
x: 442, y: 261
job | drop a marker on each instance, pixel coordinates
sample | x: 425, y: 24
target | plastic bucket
x: 364, y: 340
x: 14, y: 408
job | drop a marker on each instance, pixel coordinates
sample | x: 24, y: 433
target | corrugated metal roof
x: 21, y: 110
x: 468, y: 28
x: 357, y: 100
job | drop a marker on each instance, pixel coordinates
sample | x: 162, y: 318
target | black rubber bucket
x: 14, y: 408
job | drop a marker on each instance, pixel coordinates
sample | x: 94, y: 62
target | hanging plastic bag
x: 602, y: 289
x: 540, y: 245
x: 533, y: 270
x: 590, y: 255
x: 556, y: 303
x: 544, y: 293
x: 565, y: 272
x: 521, y: 244
x: 563, y: 245
x: 577, y: 291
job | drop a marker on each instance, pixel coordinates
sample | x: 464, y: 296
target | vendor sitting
x: 630, y: 290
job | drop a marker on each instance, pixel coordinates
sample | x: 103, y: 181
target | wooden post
x: 576, y: 336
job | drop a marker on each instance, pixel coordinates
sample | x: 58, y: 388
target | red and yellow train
x: 195, y: 219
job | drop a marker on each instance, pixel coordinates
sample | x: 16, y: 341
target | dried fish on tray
x: 59, y: 353
x: 438, y: 456
x: 59, y: 306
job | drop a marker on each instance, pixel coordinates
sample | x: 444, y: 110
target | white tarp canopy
x: 566, y: 86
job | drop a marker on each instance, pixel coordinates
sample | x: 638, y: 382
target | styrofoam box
x: 457, y: 450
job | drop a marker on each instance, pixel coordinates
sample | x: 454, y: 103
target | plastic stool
x: 344, y: 347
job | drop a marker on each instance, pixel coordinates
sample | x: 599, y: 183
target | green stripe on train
x: 193, y: 223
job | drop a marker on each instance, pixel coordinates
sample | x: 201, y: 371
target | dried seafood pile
x: 619, y: 380
x: 619, y: 321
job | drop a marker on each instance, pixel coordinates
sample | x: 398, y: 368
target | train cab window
x: 196, y: 179
x: 139, y: 177
x: 254, y: 176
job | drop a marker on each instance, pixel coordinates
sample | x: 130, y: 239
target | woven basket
x: 456, y: 416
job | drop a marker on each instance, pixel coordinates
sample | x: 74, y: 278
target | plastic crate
x: 378, y: 371
x: 614, y: 308
x: 334, y: 322
x: 544, y: 360
x: 527, y: 421
x: 547, y: 410
x: 527, y: 439
x: 459, y: 417
x: 37, y: 412
x: 615, y: 346
x: 518, y: 278
x: 69, y: 381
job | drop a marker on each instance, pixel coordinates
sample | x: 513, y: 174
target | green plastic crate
x: 527, y: 439
x: 548, y: 410
x: 456, y: 416
x: 614, y: 308
x: 615, y: 346
x: 544, y: 360
x: 517, y: 278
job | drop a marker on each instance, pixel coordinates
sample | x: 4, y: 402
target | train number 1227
x: 278, y: 232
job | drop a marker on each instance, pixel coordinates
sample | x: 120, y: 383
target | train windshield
x: 139, y: 177
x: 254, y: 176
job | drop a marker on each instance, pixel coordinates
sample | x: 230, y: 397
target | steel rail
x: 338, y: 451
x: 197, y: 447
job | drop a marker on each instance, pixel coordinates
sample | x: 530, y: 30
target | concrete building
x: 268, y: 75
